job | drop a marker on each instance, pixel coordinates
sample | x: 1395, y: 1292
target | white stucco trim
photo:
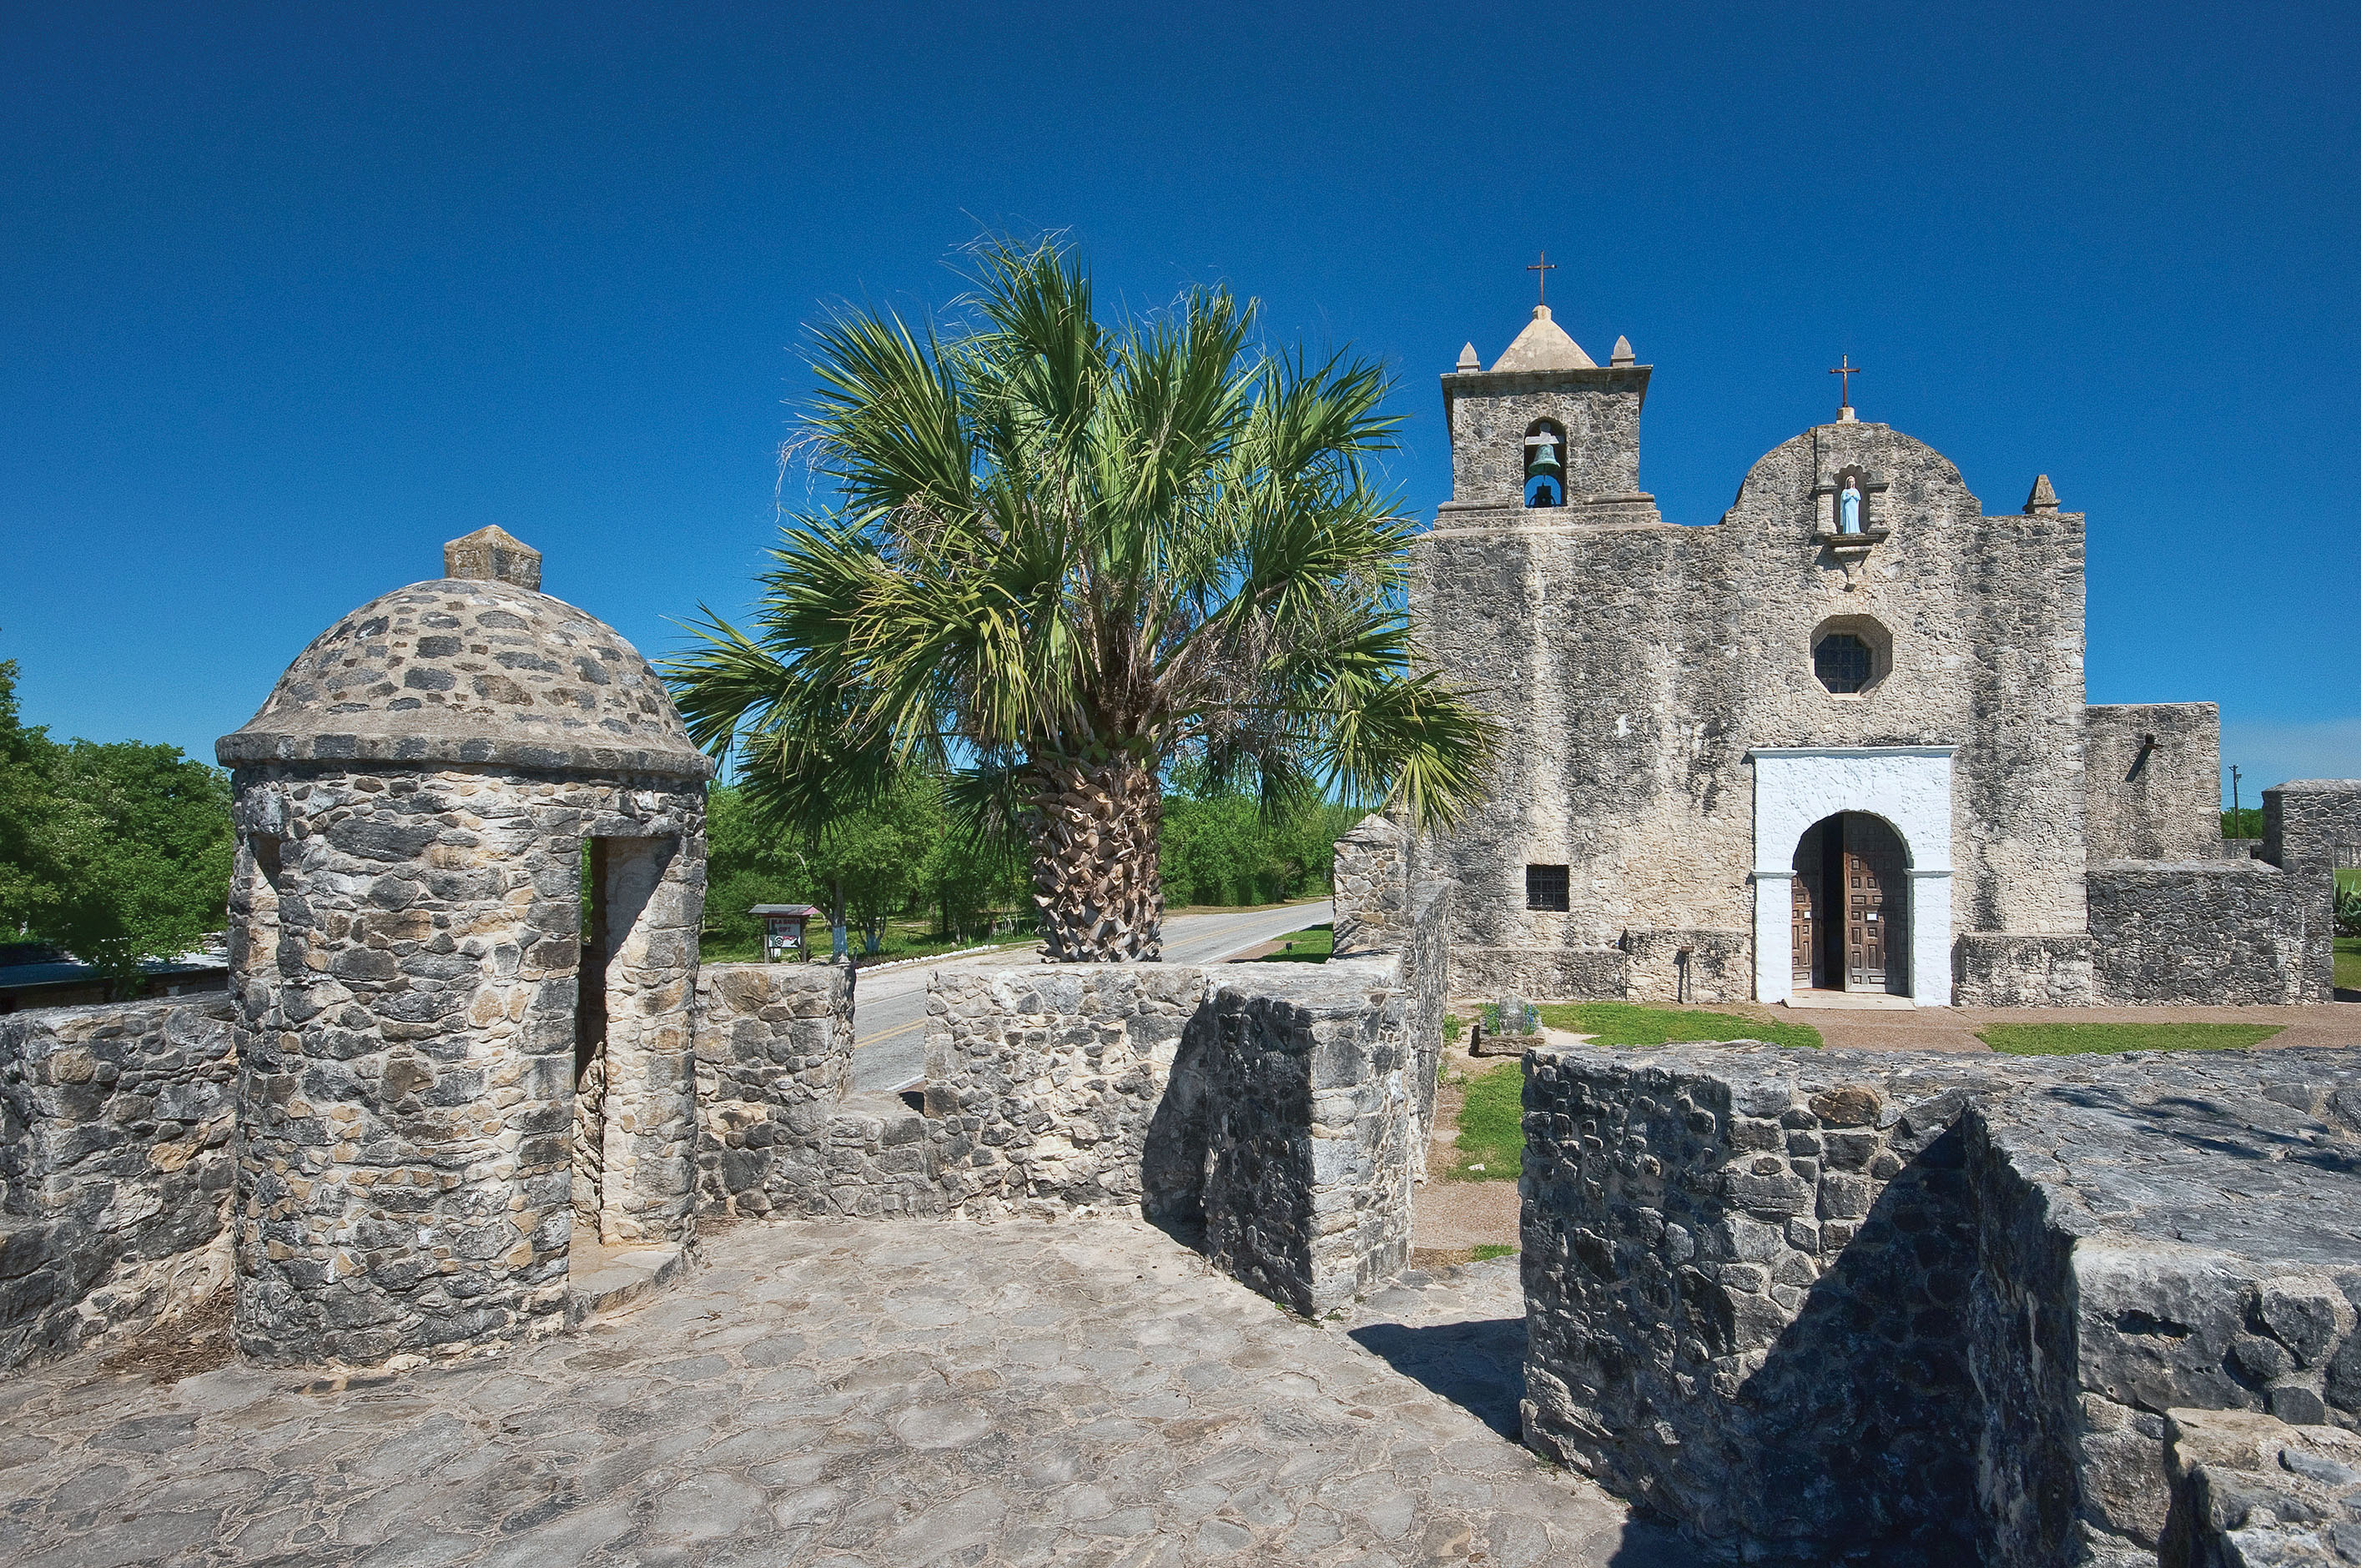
x: 1910, y: 788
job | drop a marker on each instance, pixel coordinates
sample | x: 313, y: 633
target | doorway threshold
x: 1854, y: 1000
x: 600, y: 1276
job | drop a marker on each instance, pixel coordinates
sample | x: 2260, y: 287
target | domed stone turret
x: 470, y: 871
x: 472, y: 671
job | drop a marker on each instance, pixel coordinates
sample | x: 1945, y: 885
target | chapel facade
x: 1836, y: 743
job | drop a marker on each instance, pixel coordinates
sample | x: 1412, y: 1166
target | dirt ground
x: 1452, y: 1217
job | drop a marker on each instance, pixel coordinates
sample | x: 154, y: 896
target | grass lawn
x: 2348, y: 964
x: 2077, y: 1039
x: 1312, y: 945
x: 1631, y: 1024
x: 1487, y: 1251
x: 1492, y: 1141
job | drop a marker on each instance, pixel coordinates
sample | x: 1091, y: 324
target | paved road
x: 890, y: 1009
x: 878, y: 1394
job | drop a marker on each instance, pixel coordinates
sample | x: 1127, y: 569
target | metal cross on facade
x: 1848, y: 370
x: 1544, y: 267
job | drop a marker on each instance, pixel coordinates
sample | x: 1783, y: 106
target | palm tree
x: 1068, y: 557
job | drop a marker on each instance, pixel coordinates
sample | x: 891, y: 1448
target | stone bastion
x: 1830, y: 1305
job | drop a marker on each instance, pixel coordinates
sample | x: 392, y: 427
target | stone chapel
x: 1835, y: 743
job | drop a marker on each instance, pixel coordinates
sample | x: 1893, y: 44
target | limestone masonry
x: 1825, y: 1306
x: 1837, y: 740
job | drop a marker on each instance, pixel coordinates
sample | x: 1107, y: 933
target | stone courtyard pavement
x: 1077, y: 1391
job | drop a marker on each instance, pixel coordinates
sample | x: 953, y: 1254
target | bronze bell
x: 1540, y: 458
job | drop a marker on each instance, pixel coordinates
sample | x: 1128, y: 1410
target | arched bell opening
x: 1850, y: 928
x: 1545, y: 464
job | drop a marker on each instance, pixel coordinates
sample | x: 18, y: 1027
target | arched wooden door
x: 1849, y: 928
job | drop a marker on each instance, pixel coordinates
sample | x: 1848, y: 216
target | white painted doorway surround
x: 1910, y: 788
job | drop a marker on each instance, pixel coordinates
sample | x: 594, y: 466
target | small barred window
x: 1545, y: 888
x: 1842, y: 662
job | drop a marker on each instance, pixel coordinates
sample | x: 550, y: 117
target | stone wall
x: 116, y: 1168
x: 1375, y: 872
x: 2198, y: 932
x: 1691, y: 965
x: 2311, y: 826
x: 1990, y: 970
x: 1838, y: 1304
x: 1285, y: 1107
x: 1308, y: 1099
x: 1043, y: 1084
x: 1580, y: 974
x: 2153, y: 772
x: 773, y: 1067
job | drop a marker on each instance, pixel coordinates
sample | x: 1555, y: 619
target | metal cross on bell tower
x: 1848, y: 370
x: 1543, y: 268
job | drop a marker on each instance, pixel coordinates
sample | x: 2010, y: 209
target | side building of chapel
x: 1837, y: 741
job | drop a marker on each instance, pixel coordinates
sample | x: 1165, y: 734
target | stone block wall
x: 1306, y: 1102
x: 116, y: 1168
x: 2200, y: 932
x: 1374, y: 873
x: 2311, y: 826
x: 773, y: 1067
x: 1693, y: 965
x: 1992, y: 971
x: 2152, y: 776
x: 1043, y: 1084
x: 1828, y: 1305
x: 1577, y: 974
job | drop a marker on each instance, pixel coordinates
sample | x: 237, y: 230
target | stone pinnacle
x: 493, y: 554
x: 1622, y: 355
x: 2043, y: 499
x: 1467, y: 360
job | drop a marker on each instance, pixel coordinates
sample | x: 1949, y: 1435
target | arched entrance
x: 1850, y: 925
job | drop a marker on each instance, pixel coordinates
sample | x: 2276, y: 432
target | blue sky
x: 289, y: 295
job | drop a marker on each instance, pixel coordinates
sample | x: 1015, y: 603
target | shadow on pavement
x: 1479, y: 1367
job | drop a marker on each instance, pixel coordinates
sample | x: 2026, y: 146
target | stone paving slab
x: 1080, y: 1391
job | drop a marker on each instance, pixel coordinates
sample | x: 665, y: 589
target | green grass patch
x: 1487, y: 1251
x: 2080, y: 1039
x: 1631, y: 1024
x: 2348, y: 964
x: 1452, y: 1027
x: 1312, y: 945
x: 1491, y: 1125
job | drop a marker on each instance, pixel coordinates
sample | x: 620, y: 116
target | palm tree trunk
x: 1096, y: 884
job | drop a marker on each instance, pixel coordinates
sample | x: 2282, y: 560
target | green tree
x: 749, y: 863
x: 1067, y: 556
x: 882, y: 857
x: 24, y: 809
x: 117, y: 852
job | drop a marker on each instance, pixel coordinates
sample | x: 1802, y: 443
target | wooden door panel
x: 1875, y: 906
x: 1799, y: 932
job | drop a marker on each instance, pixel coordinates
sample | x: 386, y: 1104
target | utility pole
x: 2237, y: 819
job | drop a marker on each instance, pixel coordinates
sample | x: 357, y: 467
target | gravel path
x: 1084, y: 1391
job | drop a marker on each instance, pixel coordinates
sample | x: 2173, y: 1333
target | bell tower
x: 1547, y: 437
